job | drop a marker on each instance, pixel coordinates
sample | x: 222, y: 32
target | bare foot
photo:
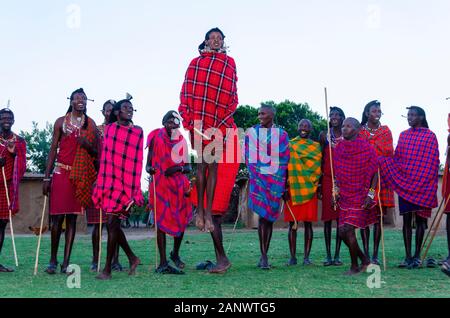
x: 133, y: 266
x: 209, y: 225
x: 200, y: 220
x: 352, y: 271
x: 220, y: 268
x: 104, y: 276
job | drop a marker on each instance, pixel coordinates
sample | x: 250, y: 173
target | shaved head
x: 305, y: 121
x: 350, y: 128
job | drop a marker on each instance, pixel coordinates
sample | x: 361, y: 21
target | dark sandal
x: 167, y: 269
x: 117, y: 267
x: 51, y: 269
x: 4, y: 269
x: 431, y: 263
x: 291, y: 262
x: 337, y: 262
x: 307, y: 262
x: 204, y: 265
x: 177, y: 260
x: 328, y: 262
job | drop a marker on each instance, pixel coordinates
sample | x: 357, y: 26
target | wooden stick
x: 381, y: 220
x: 436, y: 227
x: 330, y: 148
x: 100, y: 242
x: 40, y: 236
x: 156, y: 223
x: 295, y: 226
x: 432, y: 225
x: 202, y: 134
x: 10, y: 216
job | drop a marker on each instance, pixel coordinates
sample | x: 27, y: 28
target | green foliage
x: 38, y: 147
x: 288, y: 116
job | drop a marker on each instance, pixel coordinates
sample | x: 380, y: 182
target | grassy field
x: 243, y: 279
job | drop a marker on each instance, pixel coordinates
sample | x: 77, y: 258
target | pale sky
x: 396, y: 51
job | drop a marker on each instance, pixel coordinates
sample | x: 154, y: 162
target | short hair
x: 271, y: 107
x: 365, y: 118
x: 108, y: 102
x: 7, y: 111
x: 355, y: 122
x: 420, y: 112
x: 307, y: 120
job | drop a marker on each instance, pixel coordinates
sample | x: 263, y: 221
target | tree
x: 38, y: 147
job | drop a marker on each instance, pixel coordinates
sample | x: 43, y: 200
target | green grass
x: 243, y: 279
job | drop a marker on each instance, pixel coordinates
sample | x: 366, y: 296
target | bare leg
x: 210, y: 189
x: 3, y: 224
x: 113, y: 229
x: 223, y: 263
x: 365, y: 237
x: 95, y: 246
x: 376, y: 242
x: 309, y: 235
x: 132, y: 258
x: 327, y: 235
x: 161, y: 238
x: 265, y: 230
x: 420, y: 232
x: 201, y: 181
x: 407, y: 234
x: 292, y: 238
x: 71, y: 229
x: 175, y: 254
x: 448, y: 236
x: 337, y: 260
x: 56, y: 221
x: 348, y: 236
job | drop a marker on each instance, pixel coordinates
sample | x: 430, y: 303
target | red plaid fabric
x: 413, y: 172
x: 119, y: 177
x: 356, y: 164
x: 83, y: 172
x: 209, y: 92
x: 14, y: 170
x: 383, y: 145
x: 93, y: 216
x: 173, y: 208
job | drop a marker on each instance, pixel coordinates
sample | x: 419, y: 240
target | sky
x: 396, y: 51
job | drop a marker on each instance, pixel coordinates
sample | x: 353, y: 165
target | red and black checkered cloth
x: 14, y: 170
x: 83, y: 172
x: 355, y: 162
x: 209, y: 92
x: 413, y: 172
x: 119, y: 177
x: 382, y: 142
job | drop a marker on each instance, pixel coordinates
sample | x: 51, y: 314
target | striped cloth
x: 14, y: 170
x: 267, y: 157
x: 209, y: 92
x: 83, y: 174
x: 119, y: 178
x: 304, y: 169
x: 356, y: 164
x: 382, y: 142
x: 413, y: 172
x: 173, y: 208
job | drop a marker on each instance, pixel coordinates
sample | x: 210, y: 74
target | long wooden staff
x: 440, y: 212
x: 40, y: 236
x: 10, y: 216
x: 100, y: 241
x: 381, y: 220
x: 156, y: 223
x: 330, y: 148
x: 432, y: 224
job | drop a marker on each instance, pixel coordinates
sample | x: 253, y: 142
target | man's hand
x: 150, y: 170
x: 368, y: 203
x: 46, y: 188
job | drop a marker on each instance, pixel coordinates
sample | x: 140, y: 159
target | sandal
x: 117, y: 267
x: 94, y: 267
x: 376, y: 261
x: 204, y: 265
x: 4, y: 269
x: 446, y: 268
x: 291, y: 262
x: 328, y: 262
x: 51, y: 269
x: 337, y: 262
x: 431, y: 263
x: 405, y: 264
x: 307, y: 262
x: 416, y: 263
x: 177, y: 260
x: 167, y: 269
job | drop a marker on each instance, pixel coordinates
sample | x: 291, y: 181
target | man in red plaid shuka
x: 413, y: 173
x: 118, y: 184
x: 356, y: 167
x: 13, y: 161
x: 446, y: 196
x: 208, y: 101
x: 380, y: 137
